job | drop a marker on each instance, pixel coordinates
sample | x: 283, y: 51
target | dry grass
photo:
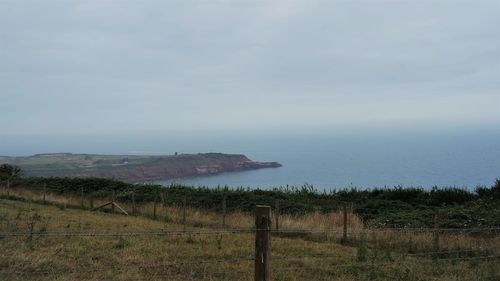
x: 220, y: 256
x: 199, y: 217
x: 321, y: 222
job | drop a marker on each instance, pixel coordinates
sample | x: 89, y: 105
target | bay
x: 330, y: 161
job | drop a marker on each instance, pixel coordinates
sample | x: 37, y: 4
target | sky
x: 98, y: 67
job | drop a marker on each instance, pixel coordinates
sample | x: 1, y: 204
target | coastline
x: 134, y: 168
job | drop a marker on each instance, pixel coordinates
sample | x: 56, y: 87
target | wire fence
x: 156, y: 209
x: 168, y: 268
x: 283, y: 263
x: 227, y: 231
x: 495, y: 231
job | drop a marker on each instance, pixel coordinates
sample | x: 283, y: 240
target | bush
x: 450, y: 196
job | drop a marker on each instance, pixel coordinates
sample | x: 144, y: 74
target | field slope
x: 47, y: 242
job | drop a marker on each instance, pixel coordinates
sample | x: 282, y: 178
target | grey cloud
x: 126, y: 66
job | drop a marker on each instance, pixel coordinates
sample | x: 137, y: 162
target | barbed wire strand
x: 223, y: 231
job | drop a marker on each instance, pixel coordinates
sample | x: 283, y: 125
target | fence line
x: 342, y: 229
x: 220, y: 231
x: 420, y: 254
x: 483, y: 255
x: 155, y: 233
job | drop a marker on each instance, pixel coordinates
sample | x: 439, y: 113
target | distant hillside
x: 133, y: 168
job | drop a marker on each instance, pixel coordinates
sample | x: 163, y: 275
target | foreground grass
x: 207, y: 255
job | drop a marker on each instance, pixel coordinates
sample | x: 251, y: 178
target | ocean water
x: 327, y: 160
x: 331, y: 161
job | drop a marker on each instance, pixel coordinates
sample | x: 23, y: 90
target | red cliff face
x: 188, y: 165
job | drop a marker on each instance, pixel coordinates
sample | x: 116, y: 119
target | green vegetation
x: 386, y: 207
x: 9, y: 172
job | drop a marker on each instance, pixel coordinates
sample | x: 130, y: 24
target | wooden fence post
x: 344, y: 233
x: 134, y: 207
x: 184, y: 202
x: 351, y: 211
x: 163, y: 198
x: 224, y: 211
x: 154, y: 205
x: 262, y: 243
x: 166, y: 214
x: 82, y: 197
x: 436, y: 234
x: 8, y: 187
x: 113, y: 199
x: 44, y: 193
x: 277, y: 214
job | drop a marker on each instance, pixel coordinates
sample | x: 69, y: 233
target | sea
x: 327, y: 159
x: 336, y: 161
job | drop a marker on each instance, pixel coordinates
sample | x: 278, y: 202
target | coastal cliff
x: 133, y: 168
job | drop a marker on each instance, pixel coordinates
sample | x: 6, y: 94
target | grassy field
x: 61, y: 243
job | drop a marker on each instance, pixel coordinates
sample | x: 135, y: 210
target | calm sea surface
x: 328, y: 162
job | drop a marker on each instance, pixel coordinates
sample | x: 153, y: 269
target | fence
x: 263, y: 230
x: 171, y: 211
x: 261, y: 259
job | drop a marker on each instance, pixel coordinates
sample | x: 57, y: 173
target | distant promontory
x: 133, y: 168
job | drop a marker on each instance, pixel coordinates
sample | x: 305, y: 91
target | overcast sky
x: 93, y: 67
